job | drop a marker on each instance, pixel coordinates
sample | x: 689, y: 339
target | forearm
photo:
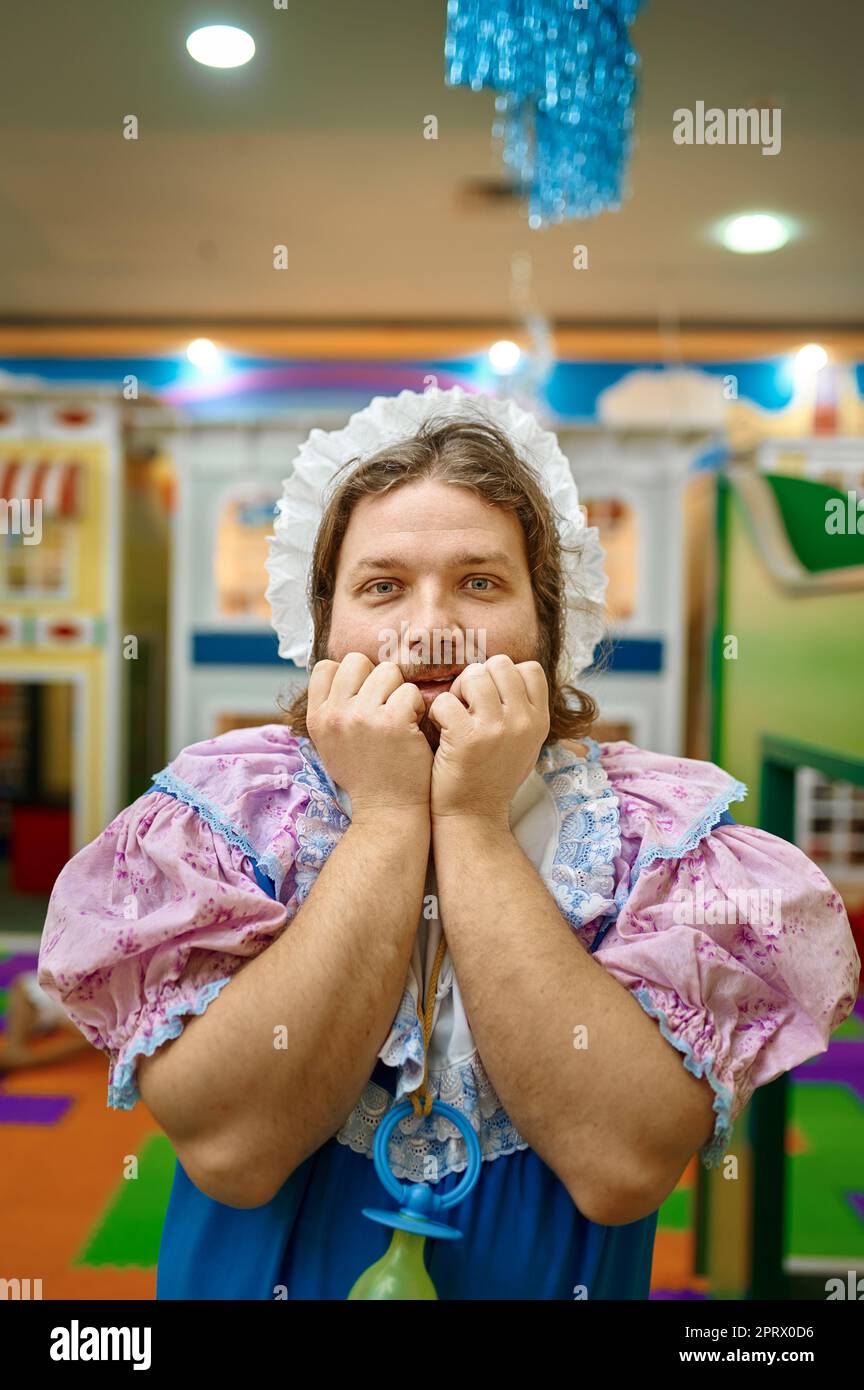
x: 590, y: 1111
x: 333, y: 981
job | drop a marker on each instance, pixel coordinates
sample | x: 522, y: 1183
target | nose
x: 433, y: 636
x: 434, y: 645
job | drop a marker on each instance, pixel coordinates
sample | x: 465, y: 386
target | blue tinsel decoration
x: 566, y: 78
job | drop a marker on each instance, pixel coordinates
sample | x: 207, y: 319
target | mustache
x: 421, y: 673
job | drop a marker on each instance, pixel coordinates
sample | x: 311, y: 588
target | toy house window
x: 830, y: 825
x: 618, y: 525
x: 37, y: 569
x: 244, y: 523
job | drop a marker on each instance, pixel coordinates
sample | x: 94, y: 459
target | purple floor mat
x: 16, y: 965
x: 32, y: 1110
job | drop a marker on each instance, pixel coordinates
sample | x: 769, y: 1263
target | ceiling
x: 318, y: 144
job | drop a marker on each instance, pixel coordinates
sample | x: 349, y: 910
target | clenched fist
x: 494, y: 720
x: 365, y: 723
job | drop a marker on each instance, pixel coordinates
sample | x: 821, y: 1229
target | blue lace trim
x: 166, y: 781
x: 404, y: 1046
x: 712, y: 1152
x: 582, y: 875
x: 320, y: 827
x: 737, y: 791
x: 123, y: 1088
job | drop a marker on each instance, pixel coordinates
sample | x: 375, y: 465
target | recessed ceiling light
x: 809, y: 360
x: 221, y: 46
x: 504, y: 356
x: 204, y: 355
x: 754, y: 232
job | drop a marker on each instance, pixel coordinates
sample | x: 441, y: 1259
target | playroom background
x: 202, y: 263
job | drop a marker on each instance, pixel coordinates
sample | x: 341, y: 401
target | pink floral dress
x: 730, y: 937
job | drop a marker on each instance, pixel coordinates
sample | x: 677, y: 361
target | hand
x: 487, y: 750
x: 365, y: 723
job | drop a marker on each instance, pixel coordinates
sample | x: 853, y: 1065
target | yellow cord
x: 425, y: 1016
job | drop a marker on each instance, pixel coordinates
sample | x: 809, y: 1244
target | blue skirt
x: 522, y: 1236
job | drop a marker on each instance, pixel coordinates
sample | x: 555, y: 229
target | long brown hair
x: 470, y: 452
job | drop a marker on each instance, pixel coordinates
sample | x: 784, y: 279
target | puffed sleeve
x: 737, y: 943
x: 146, y: 925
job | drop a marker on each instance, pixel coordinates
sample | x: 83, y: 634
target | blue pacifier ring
x: 417, y: 1199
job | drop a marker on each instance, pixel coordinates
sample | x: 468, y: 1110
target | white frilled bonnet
x: 390, y: 418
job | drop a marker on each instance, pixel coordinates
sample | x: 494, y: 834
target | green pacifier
x: 401, y: 1273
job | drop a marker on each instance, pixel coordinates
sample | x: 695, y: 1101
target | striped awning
x: 56, y: 481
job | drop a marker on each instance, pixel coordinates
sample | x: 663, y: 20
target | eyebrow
x: 398, y: 562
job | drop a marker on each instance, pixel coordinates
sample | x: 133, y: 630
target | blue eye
x: 375, y: 590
